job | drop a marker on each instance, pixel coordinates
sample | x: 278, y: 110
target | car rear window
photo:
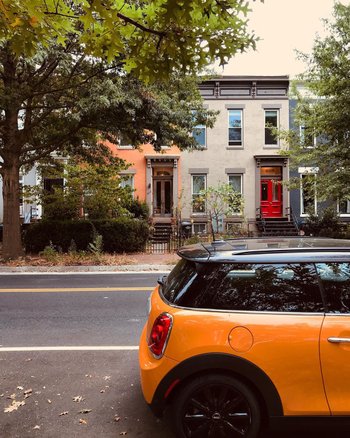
x: 178, y: 280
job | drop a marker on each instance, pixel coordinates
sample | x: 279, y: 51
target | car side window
x: 335, y: 279
x: 264, y: 287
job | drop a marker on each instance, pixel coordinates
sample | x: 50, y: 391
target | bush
x: 327, y: 224
x: 138, y: 209
x: 117, y: 235
x: 123, y: 234
x: 58, y: 234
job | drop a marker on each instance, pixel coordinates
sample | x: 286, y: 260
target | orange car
x: 246, y: 333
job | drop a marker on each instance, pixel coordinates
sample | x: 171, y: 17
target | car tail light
x: 159, y: 335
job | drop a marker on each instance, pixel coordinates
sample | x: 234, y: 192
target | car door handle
x: 339, y: 340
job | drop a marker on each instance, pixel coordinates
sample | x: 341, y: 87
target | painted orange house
x: 155, y: 176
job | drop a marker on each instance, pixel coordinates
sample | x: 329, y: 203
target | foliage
x: 123, y: 235
x: 90, y: 190
x: 218, y: 202
x: 96, y: 246
x: 138, y: 209
x: 59, y: 234
x: 326, y: 224
x: 174, y: 34
x: 49, y: 253
x: 324, y: 111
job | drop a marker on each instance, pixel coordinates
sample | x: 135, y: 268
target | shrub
x: 117, y: 235
x: 60, y: 234
x: 327, y: 224
x: 123, y: 234
x: 138, y: 209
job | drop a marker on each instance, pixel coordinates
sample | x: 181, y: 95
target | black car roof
x: 269, y: 250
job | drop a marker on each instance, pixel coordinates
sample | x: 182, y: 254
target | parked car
x: 250, y: 333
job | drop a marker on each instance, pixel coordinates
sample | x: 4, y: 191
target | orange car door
x: 335, y: 335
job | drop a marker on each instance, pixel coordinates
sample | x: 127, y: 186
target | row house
x: 241, y: 150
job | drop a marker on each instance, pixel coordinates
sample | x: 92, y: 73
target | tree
x: 151, y: 37
x: 89, y: 190
x: 324, y: 113
x: 64, y: 101
x: 218, y: 202
x: 64, y: 78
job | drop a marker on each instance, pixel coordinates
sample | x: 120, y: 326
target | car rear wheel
x: 216, y: 406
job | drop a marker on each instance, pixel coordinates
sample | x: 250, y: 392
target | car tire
x: 216, y: 406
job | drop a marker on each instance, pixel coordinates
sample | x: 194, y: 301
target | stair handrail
x: 259, y: 216
x: 292, y: 216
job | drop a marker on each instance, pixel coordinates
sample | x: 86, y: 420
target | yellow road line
x: 79, y: 289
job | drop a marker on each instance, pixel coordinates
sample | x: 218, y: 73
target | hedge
x: 123, y: 234
x: 119, y: 235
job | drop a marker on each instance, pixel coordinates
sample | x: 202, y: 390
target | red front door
x: 271, y: 197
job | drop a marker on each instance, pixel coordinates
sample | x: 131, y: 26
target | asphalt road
x: 76, y: 393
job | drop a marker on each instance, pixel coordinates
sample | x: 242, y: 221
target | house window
x: 21, y: 211
x: 235, y: 127
x: 199, y: 183
x: 199, y: 228
x: 271, y: 122
x: 236, y: 182
x: 344, y: 207
x: 124, y: 142
x: 128, y: 181
x: 308, y: 194
x: 307, y: 138
x: 52, y: 184
x: 199, y: 134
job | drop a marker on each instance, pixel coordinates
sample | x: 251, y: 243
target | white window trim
x: 343, y: 214
x: 302, y: 138
x: 196, y: 213
x: 235, y: 146
x: 242, y: 195
x: 306, y: 171
x: 200, y: 223
x: 200, y: 146
x: 130, y: 176
x: 267, y: 145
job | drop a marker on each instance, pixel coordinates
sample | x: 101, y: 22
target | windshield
x: 178, y: 280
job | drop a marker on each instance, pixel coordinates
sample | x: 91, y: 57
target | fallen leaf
x: 49, y: 401
x: 78, y: 398
x: 116, y: 418
x: 107, y: 377
x: 11, y: 397
x: 85, y: 411
x: 28, y: 391
x: 81, y: 421
x: 28, y: 360
x: 37, y: 427
x: 1, y: 395
x: 14, y: 406
x: 102, y: 391
x: 20, y: 388
x: 63, y: 413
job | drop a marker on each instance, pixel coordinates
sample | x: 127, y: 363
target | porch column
x: 149, y: 186
x: 175, y: 186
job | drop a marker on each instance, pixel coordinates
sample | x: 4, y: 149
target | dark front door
x: 271, y: 197
x: 163, y: 197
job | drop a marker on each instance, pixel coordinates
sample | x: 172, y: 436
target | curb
x: 76, y: 269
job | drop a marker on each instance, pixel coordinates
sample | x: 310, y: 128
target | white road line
x: 73, y: 348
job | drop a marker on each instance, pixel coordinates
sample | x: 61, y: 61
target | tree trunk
x: 11, y: 241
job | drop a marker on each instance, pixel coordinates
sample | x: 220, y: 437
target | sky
x: 283, y: 26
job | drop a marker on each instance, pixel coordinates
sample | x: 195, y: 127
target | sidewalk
x: 139, y: 262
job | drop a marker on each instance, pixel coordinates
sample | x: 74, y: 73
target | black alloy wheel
x: 216, y: 406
